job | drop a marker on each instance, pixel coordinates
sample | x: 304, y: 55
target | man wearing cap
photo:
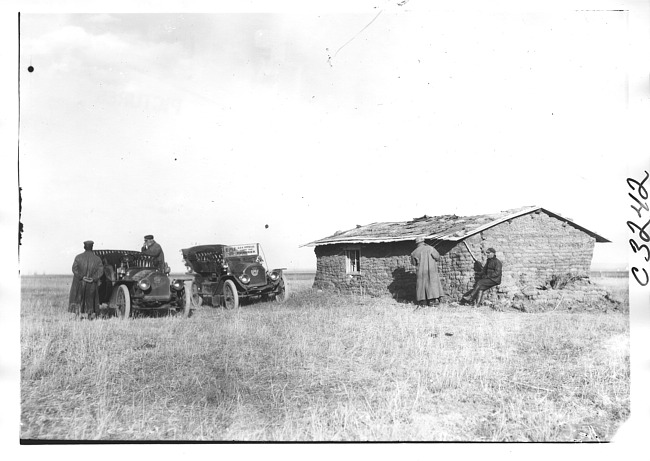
x: 87, y: 269
x: 425, y: 259
x: 490, y: 276
x: 153, y: 248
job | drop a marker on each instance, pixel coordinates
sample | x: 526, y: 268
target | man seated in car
x: 153, y: 248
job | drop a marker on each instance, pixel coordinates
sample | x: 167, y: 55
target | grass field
x: 322, y: 367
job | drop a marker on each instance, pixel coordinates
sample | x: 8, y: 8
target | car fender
x: 240, y: 288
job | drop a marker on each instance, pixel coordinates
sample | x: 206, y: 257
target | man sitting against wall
x: 489, y: 277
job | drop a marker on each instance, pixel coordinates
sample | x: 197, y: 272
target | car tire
x: 197, y: 300
x: 121, y: 302
x: 230, y: 295
x: 283, y: 292
x: 188, y: 303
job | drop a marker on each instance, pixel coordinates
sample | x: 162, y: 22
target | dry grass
x: 321, y: 367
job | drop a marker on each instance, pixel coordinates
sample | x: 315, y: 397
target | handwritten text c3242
x: 640, y: 193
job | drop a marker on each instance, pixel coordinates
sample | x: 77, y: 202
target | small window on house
x: 352, y: 262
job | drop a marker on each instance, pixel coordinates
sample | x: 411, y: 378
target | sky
x: 284, y: 127
x: 207, y: 124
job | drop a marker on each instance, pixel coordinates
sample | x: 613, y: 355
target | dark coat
x: 428, y: 285
x: 87, y: 269
x: 156, y: 251
x: 490, y: 275
x: 492, y: 270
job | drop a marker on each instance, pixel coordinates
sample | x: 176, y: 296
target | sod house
x: 538, y: 249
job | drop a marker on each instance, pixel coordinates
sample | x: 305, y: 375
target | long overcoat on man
x: 87, y: 269
x: 428, y: 285
x: 157, y: 252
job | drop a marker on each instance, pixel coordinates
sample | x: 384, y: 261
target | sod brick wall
x: 533, y: 248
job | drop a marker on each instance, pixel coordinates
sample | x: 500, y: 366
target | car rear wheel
x: 283, y: 290
x: 230, y: 295
x: 121, y: 301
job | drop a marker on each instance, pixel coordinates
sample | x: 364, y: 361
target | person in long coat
x: 153, y: 248
x: 428, y: 287
x: 87, y: 269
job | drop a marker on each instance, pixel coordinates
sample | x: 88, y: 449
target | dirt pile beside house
x: 571, y: 294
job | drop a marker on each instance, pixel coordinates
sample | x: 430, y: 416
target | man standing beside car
x: 87, y: 269
x: 153, y: 248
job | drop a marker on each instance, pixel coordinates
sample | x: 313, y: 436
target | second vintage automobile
x: 225, y: 274
x: 132, y: 283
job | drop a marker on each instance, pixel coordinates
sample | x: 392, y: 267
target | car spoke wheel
x: 230, y: 295
x: 121, y: 301
x: 193, y: 301
x: 283, y: 290
x: 197, y: 300
x: 185, y: 299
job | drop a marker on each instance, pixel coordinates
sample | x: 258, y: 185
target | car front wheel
x: 283, y: 290
x: 197, y: 300
x: 121, y: 301
x: 230, y: 295
x: 188, y: 301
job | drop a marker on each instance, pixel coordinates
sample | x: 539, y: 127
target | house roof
x: 445, y: 227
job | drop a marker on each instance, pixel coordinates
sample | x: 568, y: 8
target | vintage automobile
x: 131, y: 283
x: 224, y: 274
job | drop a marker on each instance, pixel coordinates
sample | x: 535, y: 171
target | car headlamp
x: 245, y: 278
x: 177, y: 285
x: 274, y: 276
x: 144, y: 285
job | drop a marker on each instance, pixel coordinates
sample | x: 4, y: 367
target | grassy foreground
x: 321, y: 367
